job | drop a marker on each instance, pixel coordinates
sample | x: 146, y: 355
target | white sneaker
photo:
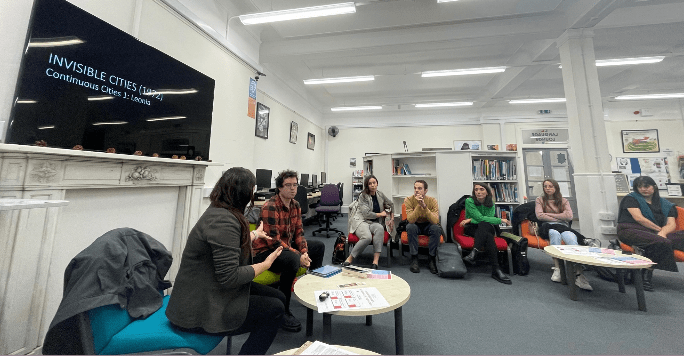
x: 582, y: 282
x: 556, y: 277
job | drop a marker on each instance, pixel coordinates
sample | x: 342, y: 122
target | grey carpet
x: 478, y: 315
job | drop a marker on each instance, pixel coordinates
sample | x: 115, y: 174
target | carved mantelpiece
x: 34, y: 241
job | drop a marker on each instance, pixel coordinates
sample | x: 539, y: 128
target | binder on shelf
x: 326, y: 271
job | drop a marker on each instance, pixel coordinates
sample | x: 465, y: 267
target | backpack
x: 339, y: 255
x: 449, y: 261
x: 521, y: 266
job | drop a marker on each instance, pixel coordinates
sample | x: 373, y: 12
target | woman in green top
x: 482, y: 224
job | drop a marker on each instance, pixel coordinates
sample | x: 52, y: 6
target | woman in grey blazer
x: 213, y: 291
x: 368, y: 220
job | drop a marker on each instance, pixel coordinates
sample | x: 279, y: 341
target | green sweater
x: 480, y: 213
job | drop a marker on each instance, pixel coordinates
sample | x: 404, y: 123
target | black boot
x: 414, y: 264
x: 470, y: 259
x: 647, y: 276
x: 498, y: 274
x: 433, y: 264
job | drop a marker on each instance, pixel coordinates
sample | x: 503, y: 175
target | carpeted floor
x: 478, y: 315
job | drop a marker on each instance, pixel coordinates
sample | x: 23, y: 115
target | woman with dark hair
x: 214, y: 292
x: 368, y: 220
x: 647, y: 221
x: 482, y: 224
x: 555, y: 210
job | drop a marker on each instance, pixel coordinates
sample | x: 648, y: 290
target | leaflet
x: 350, y: 299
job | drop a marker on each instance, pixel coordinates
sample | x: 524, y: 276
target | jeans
x: 426, y: 228
x: 555, y: 237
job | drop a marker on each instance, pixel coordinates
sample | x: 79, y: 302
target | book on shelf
x: 326, y: 271
x: 494, y: 169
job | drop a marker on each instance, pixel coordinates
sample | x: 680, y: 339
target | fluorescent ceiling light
x: 534, y: 101
x: 26, y: 101
x: 301, y: 13
x: 356, y: 108
x: 167, y: 118
x: 172, y: 91
x: 55, y: 41
x: 467, y: 71
x: 626, y: 61
x: 46, y: 127
x: 650, y: 96
x: 435, y: 105
x: 364, y: 78
x: 102, y: 97
x: 109, y: 123
x: 438, y: 1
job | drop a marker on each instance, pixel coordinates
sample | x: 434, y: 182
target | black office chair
x: 301, y: 198
x: 340, y: 186
x: 328, y: 206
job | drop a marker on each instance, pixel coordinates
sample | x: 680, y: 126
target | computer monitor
x: 314, y: 181
x: 263, y: 179
x: 323, y: 178
x: 304, y: 180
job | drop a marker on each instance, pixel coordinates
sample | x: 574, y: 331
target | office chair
x: 340, y: 186
x: 329, y: 205
x: 301, y: 198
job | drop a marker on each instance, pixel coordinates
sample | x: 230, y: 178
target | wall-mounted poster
x: 261, y: 129
x: 640, y: 141
x: 311, y: 141
x: 294, y: 127
x: 467, y: 145
x: 654, y: 167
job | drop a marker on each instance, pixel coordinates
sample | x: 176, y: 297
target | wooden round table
x: 396, y: 291
x: 567, y: 270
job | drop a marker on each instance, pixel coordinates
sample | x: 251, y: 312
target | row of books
x: 505, y: 192
x: 494, y: 169
x: 504, y: 212
x: 399, y: 168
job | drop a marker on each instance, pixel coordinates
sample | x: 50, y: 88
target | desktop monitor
x: 263, y: 179
x: 323, y: 178
x: 314, y: 181
x: 304, y: 180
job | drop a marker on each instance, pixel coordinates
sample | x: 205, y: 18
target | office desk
x: 311, y: 198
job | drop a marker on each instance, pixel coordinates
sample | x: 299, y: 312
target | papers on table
x: 350, y: 299
x: 321, y: 348
x: 604, y: 255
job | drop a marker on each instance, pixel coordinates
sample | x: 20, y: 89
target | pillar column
x: 594, y: 181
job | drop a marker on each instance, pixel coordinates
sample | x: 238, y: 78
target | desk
x: 311, y: 198
x: 396, y: 291
x: 568, y: 272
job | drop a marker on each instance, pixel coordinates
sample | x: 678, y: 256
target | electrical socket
x: 609, y: 230
x: 606, y: 216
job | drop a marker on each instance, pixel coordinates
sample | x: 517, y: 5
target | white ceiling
x: 395, y: 40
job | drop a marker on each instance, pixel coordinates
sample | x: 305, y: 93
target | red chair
x: 352, y: 239
x: 467, y: 243
x: 423, y: 240
x: 679, y: 255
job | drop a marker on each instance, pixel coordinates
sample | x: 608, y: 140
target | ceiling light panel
x: 650, y: 96
x: 301, y: 13
x: 356, y: 108
x: 535, y: 101
x: 437, y: 105
x: 628, y: 61
x: 467, y: 71
x: 339, y: 80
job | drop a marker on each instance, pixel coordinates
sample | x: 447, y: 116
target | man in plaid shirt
x: 282, y: 222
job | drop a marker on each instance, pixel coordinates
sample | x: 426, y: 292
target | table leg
x: 309, y: 322
x: 327, y: 327
x: 399, y: 331
x: 639, y: 286
x: 561, y: 266
x: 570, y: 273
x: 620, y: 275
x: 369, y: 320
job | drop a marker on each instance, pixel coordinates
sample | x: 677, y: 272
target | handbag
x: 339, y: 255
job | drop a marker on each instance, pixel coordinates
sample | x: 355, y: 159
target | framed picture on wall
x: 294, y: 127
x: 640, y: 141
x: 311, y: 141
x: 467, y: 145
x: 261, y: 126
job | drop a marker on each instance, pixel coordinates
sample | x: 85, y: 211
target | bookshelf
x: 357, y: 183
x: 500, y: 172
x: 406, y: 169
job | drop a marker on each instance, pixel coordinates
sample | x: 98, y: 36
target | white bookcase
x: 500, y: 172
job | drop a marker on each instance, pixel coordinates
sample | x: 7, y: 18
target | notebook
x: 326, y: 271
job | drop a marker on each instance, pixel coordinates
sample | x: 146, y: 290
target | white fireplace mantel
x: 104, y: 191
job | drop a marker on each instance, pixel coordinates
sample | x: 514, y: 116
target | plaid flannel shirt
x: 284, y: 226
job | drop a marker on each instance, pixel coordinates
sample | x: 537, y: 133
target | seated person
x: 422, y: 213
x: 214, y: 292
x: 282, y: 219
x: 481, y: 223
x: 368, y: 221
x: 552, y: 208
x: 647, y: 221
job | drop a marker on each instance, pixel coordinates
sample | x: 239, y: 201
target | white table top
x: 355, y: 350
x: 17, y: 204
x: 396, y: 291
x: 590, y: 260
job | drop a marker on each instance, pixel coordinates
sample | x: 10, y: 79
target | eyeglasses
x: 291, y: 185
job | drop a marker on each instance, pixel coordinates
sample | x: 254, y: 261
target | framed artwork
x: 294, y: 127
x: 640, y: 141
x: 261, y: 128
x: 311, y: 141
x: 467, y: 145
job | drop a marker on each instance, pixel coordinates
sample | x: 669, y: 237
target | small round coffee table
x: 396, y: 291
x: 567, y: 270
x: 355, y: 350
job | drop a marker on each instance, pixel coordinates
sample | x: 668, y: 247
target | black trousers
x: 287, y: 265
x: 264, y: 316
x: 484, y: 234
